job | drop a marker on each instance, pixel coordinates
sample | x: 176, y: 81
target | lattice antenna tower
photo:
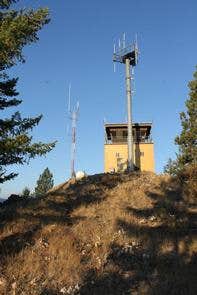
x: 128, y: 55
x: 73, y: 115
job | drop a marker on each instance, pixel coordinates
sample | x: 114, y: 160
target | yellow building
x: 116, y: 149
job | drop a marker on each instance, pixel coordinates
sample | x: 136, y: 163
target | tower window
x: 124, y: 133
x: 113, y: 134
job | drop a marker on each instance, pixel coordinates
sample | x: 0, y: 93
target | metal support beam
x: 129, y: 116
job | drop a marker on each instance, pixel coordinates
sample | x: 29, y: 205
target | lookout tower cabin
x: 116, y: 148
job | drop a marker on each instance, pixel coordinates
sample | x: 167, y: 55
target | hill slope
x: 106, y: 234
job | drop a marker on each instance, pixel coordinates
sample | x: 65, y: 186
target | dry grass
x: 106, y: 234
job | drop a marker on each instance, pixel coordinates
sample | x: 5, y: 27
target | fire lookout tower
x: 128, y: 146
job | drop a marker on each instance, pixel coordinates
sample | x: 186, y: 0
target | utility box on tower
x: 116, y: 148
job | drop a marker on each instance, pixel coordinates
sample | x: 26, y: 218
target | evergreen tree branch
x: 18, y: 29
x: 5, y: 4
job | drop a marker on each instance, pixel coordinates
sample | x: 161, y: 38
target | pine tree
x: 26, y: 192
x: 187, y: 140
x: 44, y: 183
x: 17, y: 29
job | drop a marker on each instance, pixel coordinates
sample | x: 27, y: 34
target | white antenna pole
x: 136, y: 48
x: 73, y: 146
x: 77, y: 107
x: 67, y: 129
x: 132, y: 80
x: 136, y: 40
x: 114, y: 48
x: 124, y: 40
x: 114, y: 64
x: 69, y: 98
x: 114, y: 67
x: 119, y: 44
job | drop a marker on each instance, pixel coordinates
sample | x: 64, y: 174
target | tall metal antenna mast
x: 128, y: 55
x: 73, y: 116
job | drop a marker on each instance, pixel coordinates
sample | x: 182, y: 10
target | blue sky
x: 77, y: 47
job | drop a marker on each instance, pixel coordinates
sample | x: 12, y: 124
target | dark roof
x: 110, y: 126
x: 124, y: 125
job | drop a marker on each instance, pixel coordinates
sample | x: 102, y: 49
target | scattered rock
x: 33, y: 282
x: 70, y: 290
x: 63, y: 290
x: 152, y: 218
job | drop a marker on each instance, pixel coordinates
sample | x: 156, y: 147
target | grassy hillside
x: 106, y: 234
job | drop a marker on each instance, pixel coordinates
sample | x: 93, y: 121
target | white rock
x: 80, y: 175
x: 152, y: 218
x: 63, y: 290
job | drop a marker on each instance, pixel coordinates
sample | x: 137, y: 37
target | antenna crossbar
x: 130, y: 52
